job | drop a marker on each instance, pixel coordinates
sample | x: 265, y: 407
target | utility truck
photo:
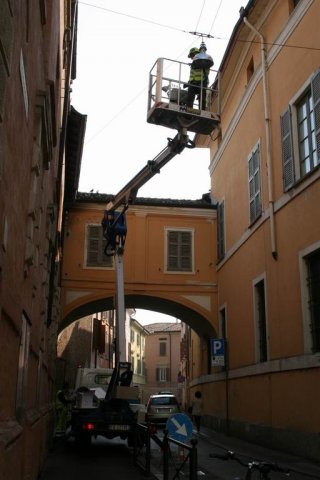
x: 106, y: 404
x: 94, y: 379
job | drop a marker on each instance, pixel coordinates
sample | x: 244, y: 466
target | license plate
x: 119, y: 427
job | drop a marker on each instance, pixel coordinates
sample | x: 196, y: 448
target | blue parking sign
x: 217, y: 351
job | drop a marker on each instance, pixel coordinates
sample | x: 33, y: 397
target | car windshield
x: 164, y: 401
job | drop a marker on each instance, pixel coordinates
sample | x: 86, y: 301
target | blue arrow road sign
x: 179, y: 427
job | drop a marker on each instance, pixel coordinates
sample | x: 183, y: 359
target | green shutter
x: 315, y: 90
x: 95, y: 248
x: 255, y: 205
x: 179, y: 246
x: 220, y: 230
x: 287, y: 150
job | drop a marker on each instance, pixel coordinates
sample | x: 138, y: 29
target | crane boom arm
x: 129, y: 192
x: 115, y: 229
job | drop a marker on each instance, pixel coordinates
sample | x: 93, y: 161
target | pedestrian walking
x: 197, y: 409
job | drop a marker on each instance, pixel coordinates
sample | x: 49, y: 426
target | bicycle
x: 263, y: 467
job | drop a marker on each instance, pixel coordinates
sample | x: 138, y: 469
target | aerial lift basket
x: 167, y: 97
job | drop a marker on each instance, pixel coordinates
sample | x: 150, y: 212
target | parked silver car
x: 161, y: 406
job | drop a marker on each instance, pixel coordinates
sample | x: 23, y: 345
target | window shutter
x: 220, y: 230
x: 168, y: 379
x: 179, y: 246
x: 185, y: 251
x: 93, y: 245
x: 255, y: 207
x: 95, y: 248
x: 157, y: 374
x: 287, y: 150
x: 315, y: 90
x: 173, y: 250
x: 162, y: 351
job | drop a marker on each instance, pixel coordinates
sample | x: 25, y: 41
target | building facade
x: 266, y: 182
x: 137, y: 356
x: 164, y: 266
x: 87, y: 343
x: 36, y: 69
x: 162, y: 358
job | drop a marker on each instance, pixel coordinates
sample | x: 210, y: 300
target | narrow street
x: 112, y: 459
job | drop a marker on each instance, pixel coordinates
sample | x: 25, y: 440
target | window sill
x: 300, y: 180
x: 253, y: 223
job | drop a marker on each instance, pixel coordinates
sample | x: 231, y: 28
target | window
x: 23, y: 367
x: 96, y: 244
x: 292, y: 5
x: 261, y: 321
x: 163, y: 349
x: 102, y: 379
x: 132, y: 336
x: 300, y: 132
x: 223, y: 332
x: 163, y: 374
x: 220, y: 231
x: 250, y: 69
x: 254, y: 184
x: 44, y: 120
x: 139, y: 366
x: 98, y: 336
x: 222, y: 323
x: 306, y: 135
x: 313, y: 283
x: 138, y: 339
x: 179, y: 251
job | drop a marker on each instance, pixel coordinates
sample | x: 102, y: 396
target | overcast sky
x: 118, y: 43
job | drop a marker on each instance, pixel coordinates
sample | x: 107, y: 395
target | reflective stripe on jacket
x: 198, y: 74
x: 59, y: 403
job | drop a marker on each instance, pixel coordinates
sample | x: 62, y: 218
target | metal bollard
x: 148, y: 452
x: 165, y: 444
x: 193, y: 459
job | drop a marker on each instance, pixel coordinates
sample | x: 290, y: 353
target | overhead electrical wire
x: 115, y: 116
x: 215, y: 17
x: 205, y: 35
x: 132, y: 16
x: 204, y: 2
x: 198, y: 34
x: 139, y: 93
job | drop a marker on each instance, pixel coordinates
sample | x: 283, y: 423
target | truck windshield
x: 102, y: 379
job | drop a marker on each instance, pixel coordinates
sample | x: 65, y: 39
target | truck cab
x: 94, y: 379
x: 106, y: 404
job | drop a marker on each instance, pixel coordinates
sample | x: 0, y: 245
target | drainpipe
x: 268, y: 138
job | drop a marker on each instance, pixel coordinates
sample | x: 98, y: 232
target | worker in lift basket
x: 199, y: 78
